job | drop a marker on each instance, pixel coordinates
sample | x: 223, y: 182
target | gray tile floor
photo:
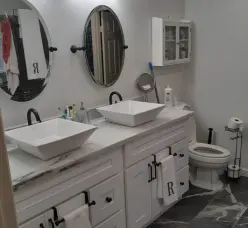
x: 205, y: 209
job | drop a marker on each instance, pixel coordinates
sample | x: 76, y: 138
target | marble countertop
x: 26, y: 168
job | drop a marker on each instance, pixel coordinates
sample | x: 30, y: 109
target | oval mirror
x: 25, y: 52
x: 104, y: 46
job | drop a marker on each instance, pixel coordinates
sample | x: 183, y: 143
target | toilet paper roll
x: 235, y: 123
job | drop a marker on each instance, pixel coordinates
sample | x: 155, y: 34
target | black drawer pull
x: 109, y: 199
x: 151, y: 176
x: 182, y: 183
x: 56, y: 217
x: 181, y: 155
x: 42, y: 225
x: 175, y: 154
x: 87, y: 200
x: 51, y: 223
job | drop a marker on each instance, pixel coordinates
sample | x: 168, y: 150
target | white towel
x: 12, y: 68
x: 167, y: 181
x: 78, y: 218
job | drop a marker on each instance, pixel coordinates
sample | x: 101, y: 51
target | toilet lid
x: 206, y: 150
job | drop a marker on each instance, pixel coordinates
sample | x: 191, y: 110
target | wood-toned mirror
x: 104, y: 46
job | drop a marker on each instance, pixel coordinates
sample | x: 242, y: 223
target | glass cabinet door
x: 170, y: 43
x: 184, y: 44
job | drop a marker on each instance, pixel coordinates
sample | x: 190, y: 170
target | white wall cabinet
x: 171, y: 42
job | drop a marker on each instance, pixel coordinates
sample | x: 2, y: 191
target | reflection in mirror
x: 24, y: 52
x: 104, y: 46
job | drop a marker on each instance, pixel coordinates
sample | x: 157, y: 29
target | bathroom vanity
x: 114, y: 173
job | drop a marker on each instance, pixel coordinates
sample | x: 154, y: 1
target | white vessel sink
x: 51, y: 138
x: 131, y: 113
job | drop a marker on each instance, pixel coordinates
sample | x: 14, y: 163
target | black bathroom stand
x: 233, y: 172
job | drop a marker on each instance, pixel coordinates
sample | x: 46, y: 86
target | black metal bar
x: 52, y: 49
x: 170, y: 150
x: 51, y: 223
x: 56, y: 218
x: 151, y: 176
x: 74, y: 49
x: 87, y: 199
x: 210, y: 135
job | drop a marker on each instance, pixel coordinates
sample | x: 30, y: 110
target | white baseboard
x: 244, y: 172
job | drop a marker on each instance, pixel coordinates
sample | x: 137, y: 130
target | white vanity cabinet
x: 142, y: 203
x: 171, y: 42
x: 119, y: 186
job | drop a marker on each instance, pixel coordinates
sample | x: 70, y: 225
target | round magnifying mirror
x: 25, y: 56
x: 146, y: 83
x: 104, y: 46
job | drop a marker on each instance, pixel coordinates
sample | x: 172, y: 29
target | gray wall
x: 218, y: 81
x: 70, y: 81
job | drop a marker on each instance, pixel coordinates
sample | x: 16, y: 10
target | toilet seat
x: 209, y: 151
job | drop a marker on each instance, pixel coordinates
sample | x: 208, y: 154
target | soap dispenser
x: 82, y: 115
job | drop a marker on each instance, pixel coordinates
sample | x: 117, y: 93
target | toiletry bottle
x: 82, y: 115
x: 168, y: 97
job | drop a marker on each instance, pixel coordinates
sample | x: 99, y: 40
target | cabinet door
x: 157, y: 204
x: 109, y: 198
x: 184, y: 42
x: 138, y: 194
x: 181, y: 152
x: 170, y: 43
x: 38, y: 222
x: 183, y: 181
x: 116, y: 221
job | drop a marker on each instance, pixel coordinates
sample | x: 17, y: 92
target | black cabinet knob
x: 181, y: 155
x: 108, y: 199
x: 182, y: 183
x: 175, y: 154
x: 42, y: 225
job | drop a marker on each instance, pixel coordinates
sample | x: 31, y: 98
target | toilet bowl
x: 206, y: 161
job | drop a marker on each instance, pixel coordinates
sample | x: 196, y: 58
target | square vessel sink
x: 51, y: 138
x: 131, y: 113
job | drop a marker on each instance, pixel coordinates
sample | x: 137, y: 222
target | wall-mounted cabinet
x: 171, y: 42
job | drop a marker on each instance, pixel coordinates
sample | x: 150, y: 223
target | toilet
x: 206, y: 161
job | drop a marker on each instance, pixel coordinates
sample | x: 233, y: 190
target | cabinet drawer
x: 67, y: 184
x: 109, y: 198
x: 116, y: 221
x: 183, y: 181
x: 181, y: 150
x: 153, y: 143
x: 68, y: 206
x: 37, y: 222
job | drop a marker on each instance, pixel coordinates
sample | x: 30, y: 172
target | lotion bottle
x: 168, y: 97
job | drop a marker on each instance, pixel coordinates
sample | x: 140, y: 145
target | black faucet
x: 111, y: 97
x: 36, y: 114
